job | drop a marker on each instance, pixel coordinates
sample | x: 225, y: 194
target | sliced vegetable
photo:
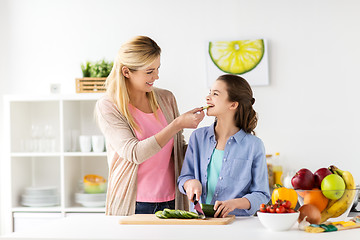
x: 208, y: 210
x: 172, y: 213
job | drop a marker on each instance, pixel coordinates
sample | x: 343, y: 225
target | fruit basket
x: 331, y: 209
x: 330, y: 192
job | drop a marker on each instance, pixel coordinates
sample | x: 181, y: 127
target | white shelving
x: 42, y: 150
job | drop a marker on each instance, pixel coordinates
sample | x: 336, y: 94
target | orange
x: 316, y: 198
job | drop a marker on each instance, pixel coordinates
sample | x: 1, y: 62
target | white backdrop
x: 309, y: 112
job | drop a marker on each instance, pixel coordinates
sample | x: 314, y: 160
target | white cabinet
x: 43, y: 150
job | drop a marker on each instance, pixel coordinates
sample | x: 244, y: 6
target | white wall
x: 4, y: 53
x: 310, y: 111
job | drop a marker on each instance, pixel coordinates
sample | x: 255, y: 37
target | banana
x: 350, y: 184
x: 338, y: 207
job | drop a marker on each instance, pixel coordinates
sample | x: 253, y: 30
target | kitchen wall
x: 309, y: 112
x: 4, y: 53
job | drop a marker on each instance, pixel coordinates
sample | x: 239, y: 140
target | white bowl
x: 278, y: 221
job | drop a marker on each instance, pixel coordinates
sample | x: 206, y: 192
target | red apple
x: 303, y: 179
x: 319, y: 175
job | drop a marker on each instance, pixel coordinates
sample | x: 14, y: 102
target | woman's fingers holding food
x: 192, y: 118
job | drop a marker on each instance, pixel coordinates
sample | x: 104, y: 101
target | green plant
x: 85, y: 68
x: 97, y: 69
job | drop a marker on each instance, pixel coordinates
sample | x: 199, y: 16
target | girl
x: 143, y: 132
x: 225, y: 163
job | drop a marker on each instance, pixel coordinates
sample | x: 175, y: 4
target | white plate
x: 44, y: 204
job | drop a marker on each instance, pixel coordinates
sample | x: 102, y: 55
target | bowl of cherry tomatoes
x: 279, y: 216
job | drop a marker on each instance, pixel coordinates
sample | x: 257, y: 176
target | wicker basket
x: 90, y: 85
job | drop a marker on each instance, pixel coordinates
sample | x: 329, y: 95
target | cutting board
x: 151, y: 219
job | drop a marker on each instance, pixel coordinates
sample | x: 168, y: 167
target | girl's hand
x: 191, y: 119
x: 193, y: 187
x: 223, y: 208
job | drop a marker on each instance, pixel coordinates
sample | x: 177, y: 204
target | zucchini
x: 208, y: 210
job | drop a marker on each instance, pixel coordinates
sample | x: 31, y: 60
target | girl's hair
x: 240, y: 91
x: 136, y: 54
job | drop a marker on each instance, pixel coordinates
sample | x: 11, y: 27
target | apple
x: 333, y: 186
x: 303, y: 179
x: 319, y: 175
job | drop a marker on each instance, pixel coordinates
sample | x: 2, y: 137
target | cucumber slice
x: 185, y: 214
x: 167, y: 213
x: 159, y: 214
x: 193, y: 215
x: 178, y: 214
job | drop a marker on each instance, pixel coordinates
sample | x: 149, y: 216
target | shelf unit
x: 42, y: 150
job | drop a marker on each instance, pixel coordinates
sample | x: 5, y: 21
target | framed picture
x: 246, y: 58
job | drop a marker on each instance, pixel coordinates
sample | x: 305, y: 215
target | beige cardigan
x: 125, y: 152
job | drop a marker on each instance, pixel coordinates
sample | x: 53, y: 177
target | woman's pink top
x: 155, y: 176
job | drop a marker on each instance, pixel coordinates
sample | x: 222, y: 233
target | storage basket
x: 90, y: 85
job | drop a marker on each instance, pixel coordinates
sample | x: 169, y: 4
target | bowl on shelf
x: 94, y: 184
x: 278, y: 221
x: 337, y: 203
x: 91, y: 199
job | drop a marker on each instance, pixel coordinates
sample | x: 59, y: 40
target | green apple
x: 333, y: 186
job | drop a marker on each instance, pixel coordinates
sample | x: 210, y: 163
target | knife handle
x: 194, y: 199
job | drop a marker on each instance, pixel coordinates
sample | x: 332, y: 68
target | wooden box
x: 90, y: 85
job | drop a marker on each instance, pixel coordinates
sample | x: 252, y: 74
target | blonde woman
x: 143, y: 131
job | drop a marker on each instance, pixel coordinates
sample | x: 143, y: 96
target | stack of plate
x: 91, y: 199
x: 40, y: 197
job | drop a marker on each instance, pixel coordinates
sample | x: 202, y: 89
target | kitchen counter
x: 107, y: 227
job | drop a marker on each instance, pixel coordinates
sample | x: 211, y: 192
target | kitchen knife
x: 198, y: 208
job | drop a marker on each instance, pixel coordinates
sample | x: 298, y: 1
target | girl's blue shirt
x: 243, y: 172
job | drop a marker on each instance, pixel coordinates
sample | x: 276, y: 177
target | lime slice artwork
x: 247, y: 58
x: 236, y: 57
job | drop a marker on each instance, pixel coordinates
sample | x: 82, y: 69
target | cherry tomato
x: 290, y: 210
x: 272, y: 209
x: 280, y: 209
x: 286, y: 204
x: 268, y: 208
x: 262, y: 208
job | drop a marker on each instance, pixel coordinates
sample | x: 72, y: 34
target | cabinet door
x: 25, y: 222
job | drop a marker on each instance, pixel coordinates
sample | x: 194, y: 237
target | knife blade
x: 198, y: 208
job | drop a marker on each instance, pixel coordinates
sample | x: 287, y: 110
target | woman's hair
x: 240, y: 91
x: 136, y: 54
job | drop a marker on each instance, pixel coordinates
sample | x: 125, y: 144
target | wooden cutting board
x: 151, y: 219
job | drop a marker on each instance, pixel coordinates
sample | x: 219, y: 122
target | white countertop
x: 106, y: 227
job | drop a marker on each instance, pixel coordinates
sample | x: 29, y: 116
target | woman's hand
x: 191, y: 119
x: 223, y: 208
x: 193, y: 187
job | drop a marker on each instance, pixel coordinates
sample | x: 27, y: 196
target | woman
x: 143, y: 131
x: 225, y: 163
